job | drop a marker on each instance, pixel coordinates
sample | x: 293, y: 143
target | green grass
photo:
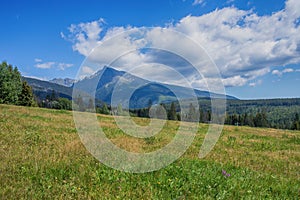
x: 42, y: 158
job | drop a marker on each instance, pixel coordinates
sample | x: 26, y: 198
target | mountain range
x: 65, y: 82
x: 107, y: 81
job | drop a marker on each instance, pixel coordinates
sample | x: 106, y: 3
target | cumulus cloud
x: 243, y: 45
x: 85, y: 36
x: 48, y: 65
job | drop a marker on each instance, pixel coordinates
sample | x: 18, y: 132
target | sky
x: 252, y: 46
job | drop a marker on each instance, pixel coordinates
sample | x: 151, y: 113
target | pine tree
x: 261, y: 120
x: 192, y: 114
x: 296, y: 123
x: 53, y: 96
x: 26, y: 97
x: 201, y: 120
x: 105, y: 109
x: 172, y: 112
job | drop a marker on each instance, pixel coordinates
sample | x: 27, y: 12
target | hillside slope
x: 42, y: 158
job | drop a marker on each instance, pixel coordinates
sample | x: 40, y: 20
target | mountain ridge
x: 102, y: 85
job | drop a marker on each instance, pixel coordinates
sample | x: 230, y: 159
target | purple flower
x: 225, y: 173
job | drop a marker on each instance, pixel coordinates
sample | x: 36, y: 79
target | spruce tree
x: 105, y: 109
x: 296, y: 123
x: 172, y: 112
x: 192, y: 114
x: 26, y: 97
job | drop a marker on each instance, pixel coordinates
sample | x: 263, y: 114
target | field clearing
x: 42, y: 157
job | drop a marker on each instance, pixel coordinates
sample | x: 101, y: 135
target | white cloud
x: 87, y: 70
x: 199, y: 2
x: 276, y: 72
x: 243, y: 45
x: 229, y: 1
x: 63, y: 66
x: 287, y: 70
x: 280, y: 73
x: 234, y: 81
x: 38, y: 60
x: 48, y: 65
x: 84, y: 35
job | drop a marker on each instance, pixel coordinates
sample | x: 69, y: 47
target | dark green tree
x: 64, y: 104
x: 10, y: 84
x: 261, y: 120
x: 201, y: 117
x: 192, y: 114
x: 105, y: 109
x: 172, y: 112
x: 296, y: 123
x: 53, y: 96
x: 26, y: 98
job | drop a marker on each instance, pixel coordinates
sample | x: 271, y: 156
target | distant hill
x: 43, y: 88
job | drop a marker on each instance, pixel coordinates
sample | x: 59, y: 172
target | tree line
x: 54, y: 101
x: 270, y: 116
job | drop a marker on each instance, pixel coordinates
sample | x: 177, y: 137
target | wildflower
x: 225, y: 173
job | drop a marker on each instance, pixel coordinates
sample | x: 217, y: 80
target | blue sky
x: 254, y: 43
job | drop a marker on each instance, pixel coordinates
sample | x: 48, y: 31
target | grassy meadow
x: 42, y: 157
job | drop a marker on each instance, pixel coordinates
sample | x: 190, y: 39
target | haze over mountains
x: 104, y: 82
